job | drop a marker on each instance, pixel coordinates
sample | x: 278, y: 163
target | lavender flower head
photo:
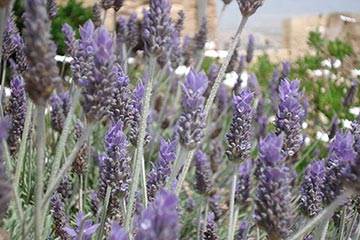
x: 273, y: 202
x: 132, y: 33
x: 209, y: 232
x: 355, y: 130
x: 52, y: 8
x: 10, y: 38
x: 242, y: 232
x: 286, y: 68
x: 117, y: 232
x: 290, y: 116
x: 98, y: 83
x: 16, y: 111
x: 70, y: 39
x: 201, y: 36
x: 43, y: 74
x: 341, y: 154
x: 243, y: 187
x: 57, y: 210
x: 84, y: 226
x: 249, y: 7
x: 191, y: 122
x: 270, y: 150
x: 239, y: 135
x: 160, y: 220
x: 203, y: 174
x: 250, y: 49
x: 157, y: 27
x: 156, y: 178
x: 60, y: 106
x: 312, y: 189
x: 115, y: 169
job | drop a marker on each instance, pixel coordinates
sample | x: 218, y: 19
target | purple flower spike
x: 250, y: 49
x: 273, y: 202
x: 157, y: 27
x: 160, y: 220
x: 16, y: 110
x: 290, y: 117
x: 57, y: 209
x: 243, y: 187
x: 203, y: 174
x: 209, y: 232
x: 98, y: 81
x: 43, y: 74
x: 242, y: 231
x: 201, y: 36
x: 83, y: 226
x: 239, y: 135
x: 115, y: 167
x: 162, y: 168
x: 355, y: 130
x: 117, y: 232
x: 60, y: 106
x: 132, y: 34
x: 10, y: 38
x: 249, y: 7
x: 70, y: 39
x: 191, y: 122
x: 341, y: 154
x: 286, y: 68
x: 52, y: 8
x: 270, y: 150
x: 312, y: 189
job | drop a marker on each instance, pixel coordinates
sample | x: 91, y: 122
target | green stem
x: 232, y: 207
x: 224, y: 66
x: 66, y: 166
x: 143, y: 182
x: 60, y: 147
x: 183, y: 173
x: 140, y: 142
x: 353, y: 221
x: 39, y: 179
x: 3, y: 76
x: 322, y: 216
x: 104, y: 212
x: 324, y: 230
x: 342, y: 223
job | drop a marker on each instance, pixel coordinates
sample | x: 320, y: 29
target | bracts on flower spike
x: 60, y: 106
x: 209, y: 232
x: 192, y: 121
x: 156, y: 178
x: 115, y: 168
x: 243, y: 187
x: 290, y: 117
x: 249, y: 7
x: 312, y: 195
x: 16, y: 110
x: 203, y: 174
x: 239, y: 135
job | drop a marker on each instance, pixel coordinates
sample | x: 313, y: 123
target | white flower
x: 211, y: 53
x: 322, y: 136
x: 182, y: 70
x: 354, y: 111
x: 355, y: 73
x: 231, y: 79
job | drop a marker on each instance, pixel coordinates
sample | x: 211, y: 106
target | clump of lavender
x: 157, y: 27
x: 203, y: 174
x: 160, y: 220
x: 239, y: 135
x: 42, y: 74
x: 250, y: 49
x: 156, y: 178
x: 60, y: 106
x: 249, y: 7
x: 84, y: 227
x: 115, y: 167
x: 16, y: 110
x: 312, y: 189
x: 192, y: 121
x: 209, y: 232
x: 243, y: 187
x: 341, y: 153
x: 290, y: 116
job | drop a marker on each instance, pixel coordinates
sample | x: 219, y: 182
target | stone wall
x: 190, y: 7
